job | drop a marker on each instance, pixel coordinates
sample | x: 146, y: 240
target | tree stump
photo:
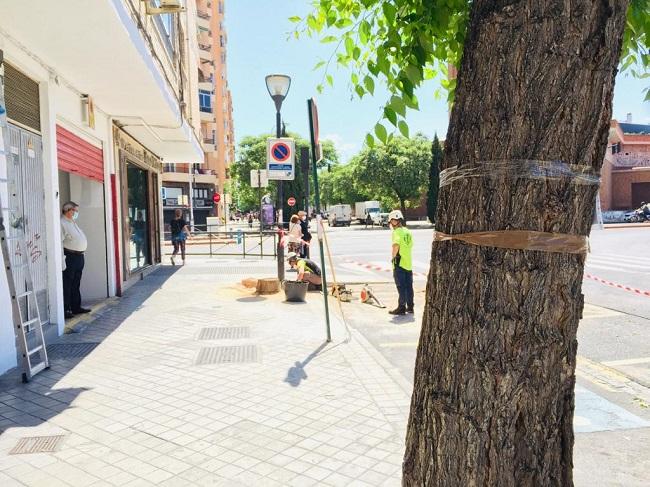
x: 267, y: 286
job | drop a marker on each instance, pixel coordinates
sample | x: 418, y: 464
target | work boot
x: 400, y: 310
x: 409, y: 309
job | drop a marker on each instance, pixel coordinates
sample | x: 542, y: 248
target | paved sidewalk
x: 191, y: 380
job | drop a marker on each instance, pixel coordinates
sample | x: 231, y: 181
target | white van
x: 339, y: 215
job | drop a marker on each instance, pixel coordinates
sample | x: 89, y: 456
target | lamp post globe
x: 278, y: 87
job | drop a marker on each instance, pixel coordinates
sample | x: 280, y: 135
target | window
x: 205, y: 102
x: 165, y: 25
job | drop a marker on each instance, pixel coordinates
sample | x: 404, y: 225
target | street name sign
x: 280, y: 158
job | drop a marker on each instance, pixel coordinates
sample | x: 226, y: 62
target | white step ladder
x: 28, y: 326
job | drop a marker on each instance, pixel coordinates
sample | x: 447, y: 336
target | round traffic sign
x: 291, y: 201
x: 216, y: 197
x: 281, y: 151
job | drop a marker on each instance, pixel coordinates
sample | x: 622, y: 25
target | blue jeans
x: 404, y: 283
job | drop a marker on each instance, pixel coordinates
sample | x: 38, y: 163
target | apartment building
x: 192, y: 187
x: 97, y: 98
x: 625, y: 175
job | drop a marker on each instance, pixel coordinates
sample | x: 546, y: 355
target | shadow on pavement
x: 296, y: 374
x: 39, y: 400
x: 251, y: 299
x: 401, y: 319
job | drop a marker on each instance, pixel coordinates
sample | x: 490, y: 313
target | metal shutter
x: 22, y: 99
x: 77, y: 156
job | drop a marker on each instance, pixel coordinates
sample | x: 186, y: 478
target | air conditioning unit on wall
x: 164, y: 7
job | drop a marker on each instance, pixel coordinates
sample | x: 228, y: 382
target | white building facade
x: 96, y: 102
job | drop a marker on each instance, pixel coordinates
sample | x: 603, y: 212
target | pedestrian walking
x: 294, y: 236
x: 250, y: 220
x: 74, y: 246
x: 402, y: 247
x: 306, y: 235
x: 180, y: 232
x: 308, y: 271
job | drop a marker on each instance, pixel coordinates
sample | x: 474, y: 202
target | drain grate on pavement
x: 239, y: 354
x: 224, y: 333
x: 64, y: 351
x: 37, y: 444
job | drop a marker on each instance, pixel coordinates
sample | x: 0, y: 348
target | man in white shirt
x: 74, y: 245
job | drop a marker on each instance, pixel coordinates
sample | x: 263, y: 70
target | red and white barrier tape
x: 373, y: 267
x: 618, y: 286
x: 622, y: 287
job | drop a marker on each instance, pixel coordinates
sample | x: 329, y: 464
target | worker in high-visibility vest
x: 401, y: 257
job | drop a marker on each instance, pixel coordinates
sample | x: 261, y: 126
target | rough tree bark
x: 494, y: 380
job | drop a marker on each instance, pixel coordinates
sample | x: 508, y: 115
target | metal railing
x: 215, y: 243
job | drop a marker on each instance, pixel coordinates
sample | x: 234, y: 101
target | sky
x: 258, y: 45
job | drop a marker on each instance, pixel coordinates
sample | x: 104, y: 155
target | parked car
x: 380, y: 219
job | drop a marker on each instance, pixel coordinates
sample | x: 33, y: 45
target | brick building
x: 625, y: 175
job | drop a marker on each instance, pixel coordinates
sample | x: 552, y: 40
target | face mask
x: 75, y: 215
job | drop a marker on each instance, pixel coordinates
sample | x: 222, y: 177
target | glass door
x: 138, y: 211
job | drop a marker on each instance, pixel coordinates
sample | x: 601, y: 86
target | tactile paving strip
x: 239, y: 354
x: 224, y: 333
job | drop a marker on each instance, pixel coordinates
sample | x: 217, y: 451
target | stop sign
x: 291, y: 201
x: 216, y: 197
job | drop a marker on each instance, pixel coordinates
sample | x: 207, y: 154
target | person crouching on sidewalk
x: 402, y: 263
x: 308, y: 271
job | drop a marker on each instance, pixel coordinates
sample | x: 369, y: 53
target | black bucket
x: 295, y: 291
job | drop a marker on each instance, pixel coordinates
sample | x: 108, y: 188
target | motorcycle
x: 636, y: 216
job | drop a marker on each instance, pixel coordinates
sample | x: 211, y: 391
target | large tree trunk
x: 493, y: 398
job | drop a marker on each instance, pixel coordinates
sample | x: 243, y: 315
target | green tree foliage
x: 339, y: 186
x: 397, y: 169
x: 252, y: 155
x: 401, y: 43
x: 434, y: 179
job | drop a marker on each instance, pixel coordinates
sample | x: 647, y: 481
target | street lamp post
x: 278, y: 87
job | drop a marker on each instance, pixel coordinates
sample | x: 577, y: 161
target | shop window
x: 138, y: 212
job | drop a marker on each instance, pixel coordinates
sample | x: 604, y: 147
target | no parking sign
x: 280, y: 158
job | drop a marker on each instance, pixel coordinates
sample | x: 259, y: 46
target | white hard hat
x: 395, y: 215
x: 292, y: 255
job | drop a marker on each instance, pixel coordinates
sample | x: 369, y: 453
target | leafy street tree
x: 252, y: 155
x: 434, y: 179
x: 399, y: 168
x: 493, y: 396
x: 339, y: 186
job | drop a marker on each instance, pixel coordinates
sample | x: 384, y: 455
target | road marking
x: 616, y: 269
x: 631, y: 361
x: 398, y: 344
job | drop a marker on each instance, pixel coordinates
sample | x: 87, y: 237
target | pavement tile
x: 145, y: 415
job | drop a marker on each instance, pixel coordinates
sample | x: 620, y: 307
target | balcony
x: 207, y: 115
x: 209, y: 144
x: 203, y: 20
x: 205, y: 39
x: 205, y: 52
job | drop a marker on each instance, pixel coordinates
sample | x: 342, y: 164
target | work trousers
x: 74, y: 266
x: 404, y: 283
